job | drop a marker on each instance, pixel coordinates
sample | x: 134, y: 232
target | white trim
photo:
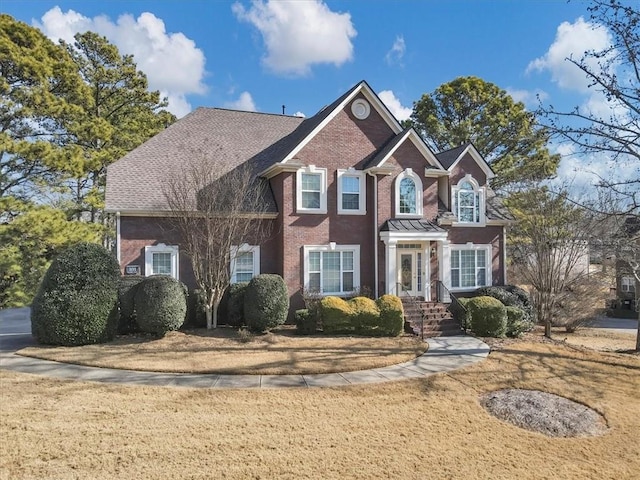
x: 332, y: 247
x: 161, y: 248
x: 172, y: 214
x: 375, y: 236
x: 118, y: 253
x: 360, y: 109
x: 244, y: 248
x: 409, y: 173
x: 479, y: 196
x: 488, y: 249
x: 312, y: 170
x: 362, y: 194
x: 376, y: 103
x: 627, y: 281
x: 422, y: 147
x: 484, y: 166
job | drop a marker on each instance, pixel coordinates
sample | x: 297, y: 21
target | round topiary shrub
x: 461, y: 312
x: 516, y: 325
x: 305, y: 322
x: 391, y: 320
x: 335, y: 314
x: 511, y: 296
x: 231, y: 308
x: 266, y: 302
x: 77, y: 300
x: 365, y: 316
x: 161, y: 304
x: 196, y: 312
x: 488, y: 316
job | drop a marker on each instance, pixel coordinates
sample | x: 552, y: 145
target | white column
x: 391, y: 268
x: 426, y: 271
x: 444, y: 263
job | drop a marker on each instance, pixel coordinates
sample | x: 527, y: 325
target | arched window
x: 468, y: 201
x: 408, y: 194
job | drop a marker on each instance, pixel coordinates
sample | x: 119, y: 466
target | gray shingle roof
x: 448, y: 157
x: 226, y: 137
x: 410, y: 225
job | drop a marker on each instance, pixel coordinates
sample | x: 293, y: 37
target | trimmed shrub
x: 336, y: 315
x: 127, y: 287
x: 516, y: 325
x: 231, y: 308
x: 196, y: 314
x: 266, y: 302
x: 161, y: 304
x: 511, y: 296
x: 488, y: 316
x: 305, y: 322
x: 461, y: 313
x: 365, y: 316
x: 76, y: 303
x: 391, y: 321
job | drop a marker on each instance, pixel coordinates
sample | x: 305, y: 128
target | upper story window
x: 245, y: 263
x: 311, y: 191
x: 468, y: 201
x: 161, y: 259
x: 628, y: 284
x: 408, y: 194
x: 351, y: 192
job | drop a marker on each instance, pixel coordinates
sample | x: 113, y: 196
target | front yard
x: 429, y: 428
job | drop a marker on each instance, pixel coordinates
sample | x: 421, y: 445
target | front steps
x: 438, y: 321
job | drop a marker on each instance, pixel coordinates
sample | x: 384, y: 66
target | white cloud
x: 572, y: 41
x: 391, y: 101
x: 528, y: 97
x: 244, y: 102
x: 394, y: 56
x: 172, y: 62
x: 299, y: 114
x: 299, y: 34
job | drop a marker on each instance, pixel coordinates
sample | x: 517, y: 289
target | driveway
x: 15, y: 329
x: 615, y: 325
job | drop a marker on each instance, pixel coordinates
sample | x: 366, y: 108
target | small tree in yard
x: 216, y: 208
x: 549, y: 241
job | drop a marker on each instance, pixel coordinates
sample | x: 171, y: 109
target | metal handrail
x: 442, y: 289
x: 414, y: 299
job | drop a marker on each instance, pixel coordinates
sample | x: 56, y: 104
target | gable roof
x: 228, y: 137
x: 449, y: 158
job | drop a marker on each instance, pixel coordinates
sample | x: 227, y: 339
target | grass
x: 428, y: 428
x: 223, y: 350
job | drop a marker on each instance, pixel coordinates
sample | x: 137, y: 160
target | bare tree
x: 216, y: 209
x: 549, y: 248
x: 614, y: 73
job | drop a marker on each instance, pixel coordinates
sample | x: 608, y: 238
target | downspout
x: 504, y: 255
x: 375, y: 235
x: 118, y: 237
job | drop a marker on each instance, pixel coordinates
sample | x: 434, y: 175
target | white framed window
x: 628, y: 283
x: 311, y: 190
x: 408, y: 194
x: 351, y: 192
x: 161, y: 259
x: 468, y: 201
x: 245, y: 262
x: 470, y: 266
x: 331, y: 269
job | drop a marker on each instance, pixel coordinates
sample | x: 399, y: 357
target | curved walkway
x: 444, y: 354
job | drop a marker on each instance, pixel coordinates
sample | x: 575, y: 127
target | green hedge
x: 516, y: 325
x: 127, y: 287
x: 511, y: 296
x: 196, y: 313
x: 266, y: 302
x: 488, y: 316
x: 76, y: 303
x: 231, y: 308
x: 461, y: 313
x: 161, y: 304
x: 363, y: 316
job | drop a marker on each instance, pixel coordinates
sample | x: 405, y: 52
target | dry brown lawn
x: 430, y: 428
x: 599, y: 339
x: 224, y: 351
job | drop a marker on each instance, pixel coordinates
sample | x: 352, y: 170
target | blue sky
x: 261, y: 54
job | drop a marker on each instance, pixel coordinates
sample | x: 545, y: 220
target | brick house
x: 357, y: 201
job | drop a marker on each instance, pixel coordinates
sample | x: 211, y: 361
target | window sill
x: 301, y: 211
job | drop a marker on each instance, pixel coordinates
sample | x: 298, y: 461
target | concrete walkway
x: 444, y: 354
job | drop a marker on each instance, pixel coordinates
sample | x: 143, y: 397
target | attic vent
x: 360, y: 109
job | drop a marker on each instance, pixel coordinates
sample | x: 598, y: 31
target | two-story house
x: 358, y: 201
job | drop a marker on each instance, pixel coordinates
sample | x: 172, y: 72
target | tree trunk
x: 638, y: 334
x: 207, y: 312
x: 547, y: 328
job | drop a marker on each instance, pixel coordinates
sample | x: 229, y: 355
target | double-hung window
x: 311, y: 190
x: 161, y: 259
x: 245, y: 263
x: 408, y: 194
x: 332, y: 271
x: 628, y: 283
x: 470, y: 267
x: 351, y: 192
x: 468, y: 201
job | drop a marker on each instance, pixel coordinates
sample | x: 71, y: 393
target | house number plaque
x: 132, y: 270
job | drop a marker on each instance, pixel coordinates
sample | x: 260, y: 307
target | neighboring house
x: 628, y: 260
x: 357, y: 202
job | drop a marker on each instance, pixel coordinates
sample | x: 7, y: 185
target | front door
x: 410, y: 272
